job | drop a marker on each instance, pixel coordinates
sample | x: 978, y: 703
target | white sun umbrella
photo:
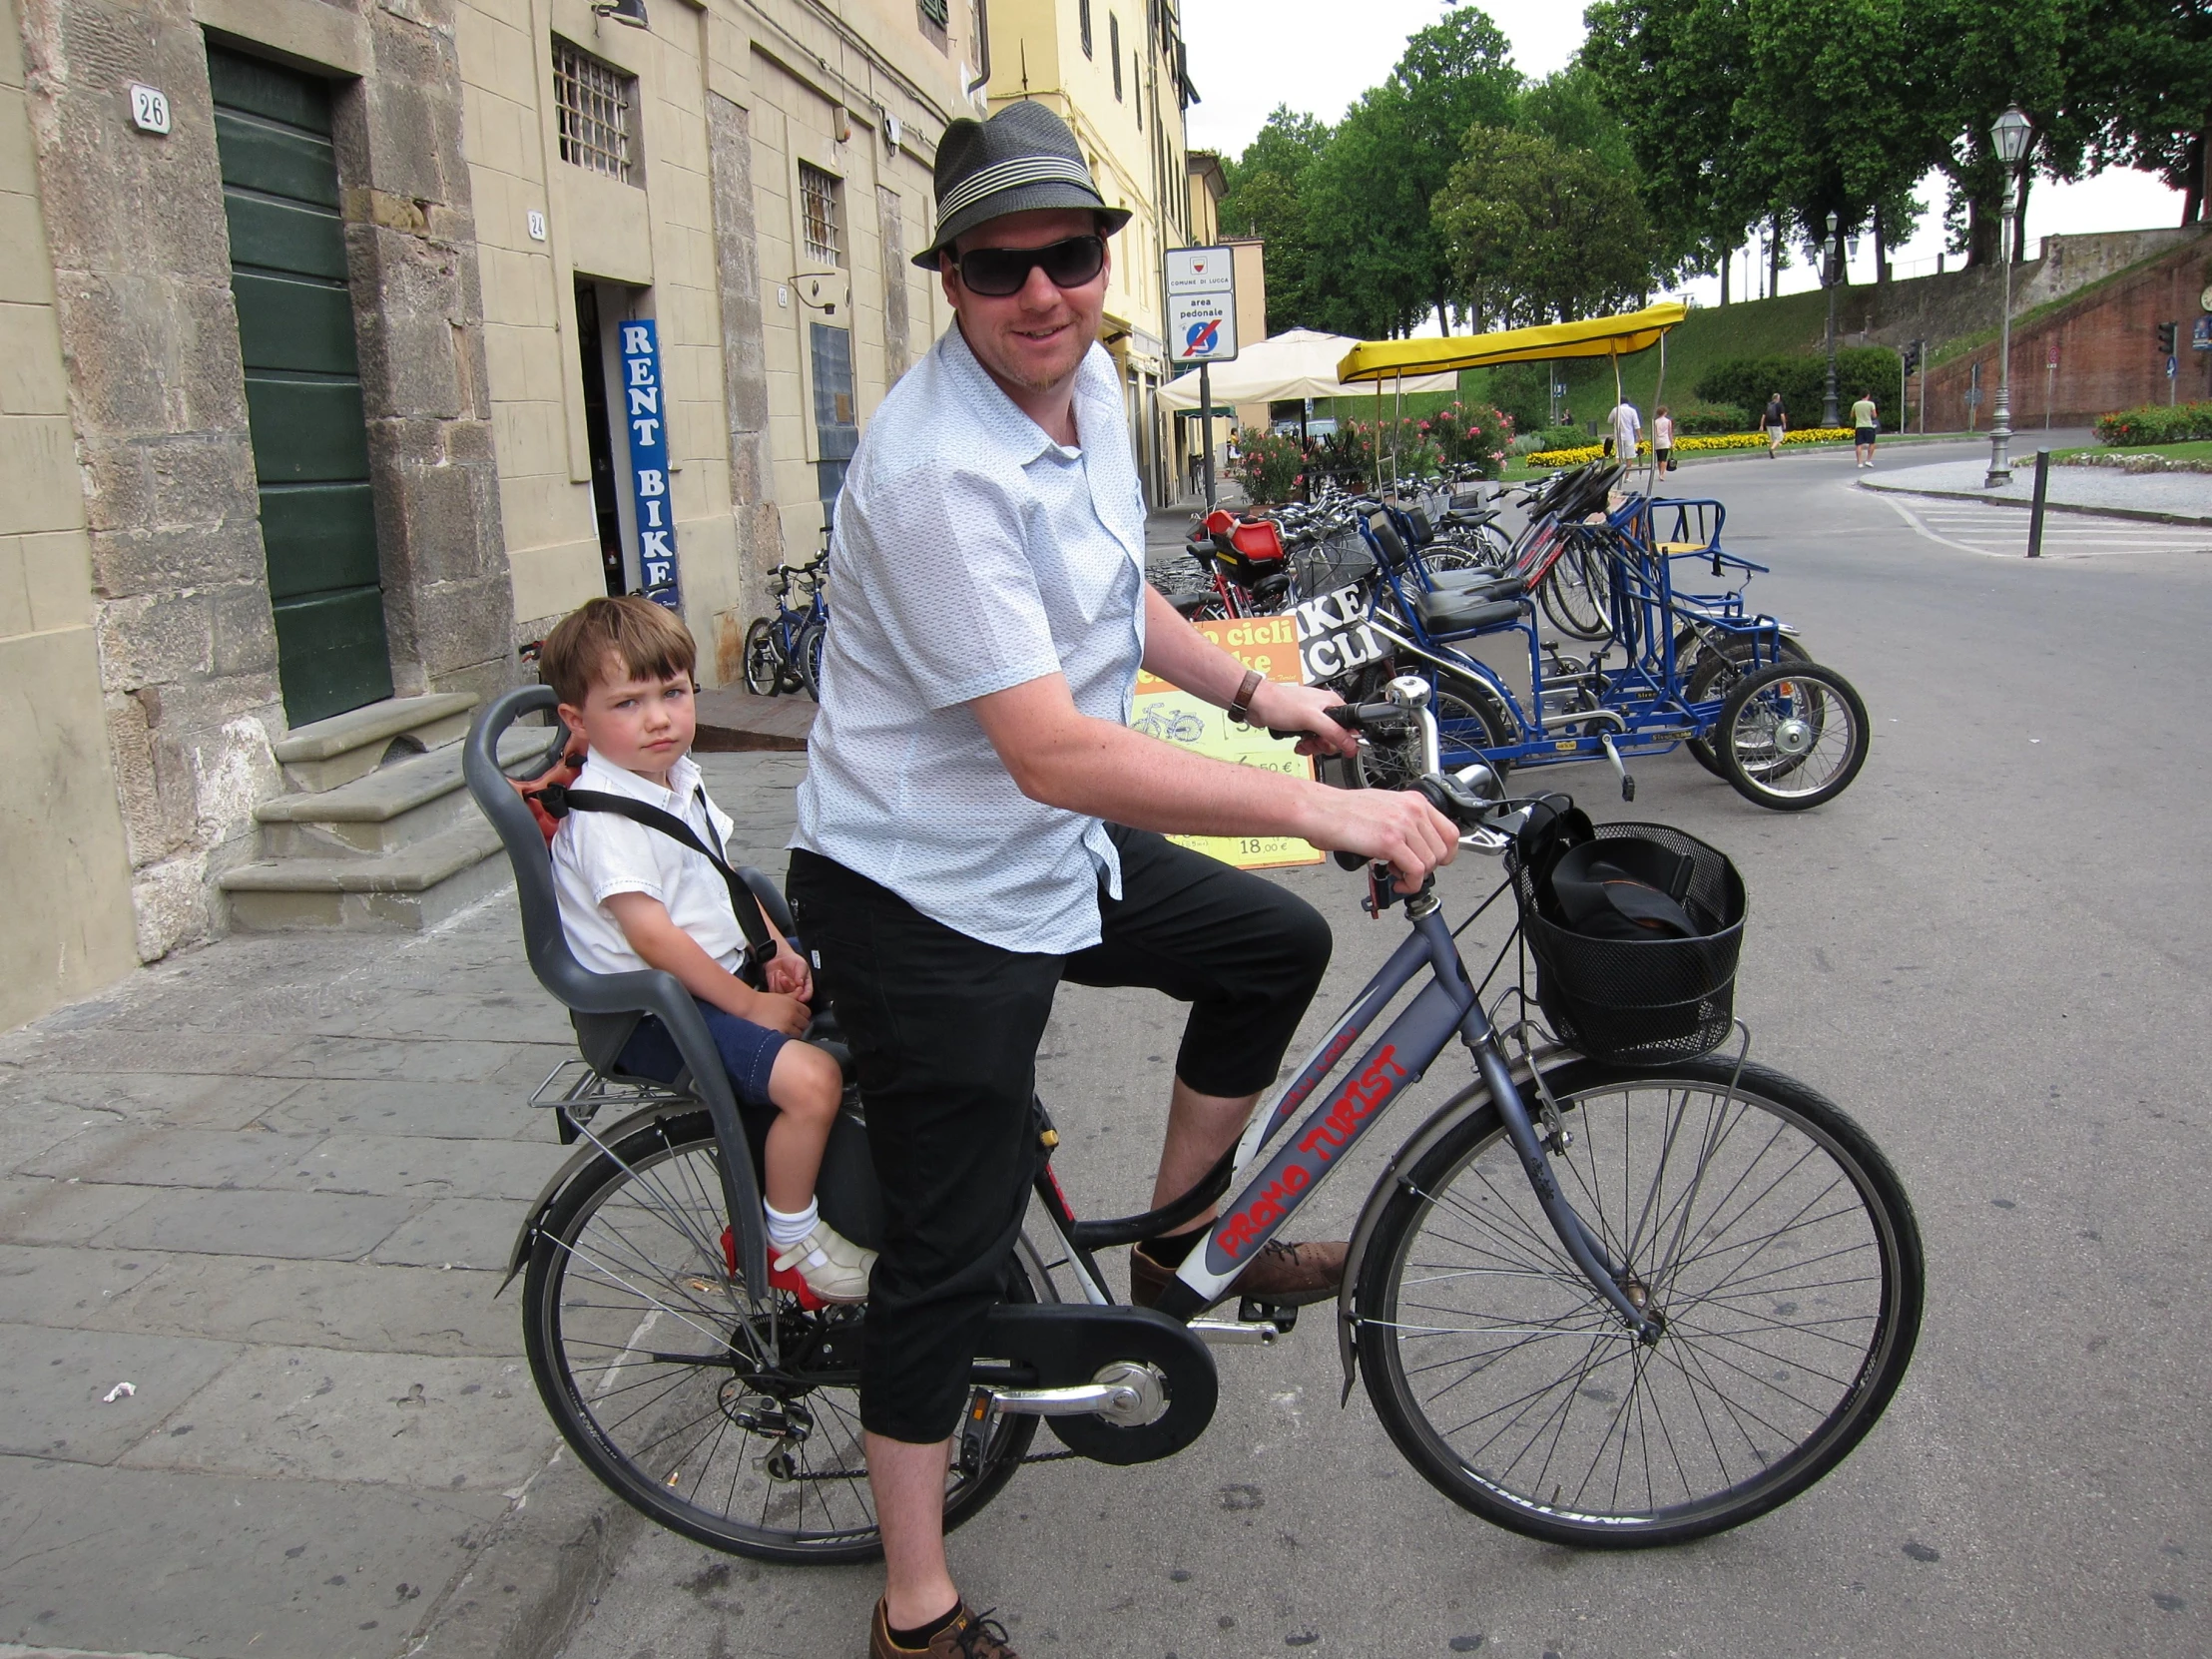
x: 1300, y: 363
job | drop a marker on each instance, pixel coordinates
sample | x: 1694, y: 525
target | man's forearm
x: 1185, y: 658
x: 1102, y: 770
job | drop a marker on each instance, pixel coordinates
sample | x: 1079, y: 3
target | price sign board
x: 1267, y: 645
x: 1202, y: 305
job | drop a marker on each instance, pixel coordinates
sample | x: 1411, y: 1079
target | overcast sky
x: 1247, y: 55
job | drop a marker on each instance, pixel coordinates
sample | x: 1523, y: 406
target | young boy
x: 633, y: 897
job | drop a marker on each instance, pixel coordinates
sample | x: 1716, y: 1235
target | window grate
x: 817, y: 199
x: 593, y: 100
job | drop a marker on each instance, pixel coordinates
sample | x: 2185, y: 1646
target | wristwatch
x: 1240, y: 706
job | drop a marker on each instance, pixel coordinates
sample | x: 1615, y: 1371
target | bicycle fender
x: 1439, y: 1123
x: 519, y: 1257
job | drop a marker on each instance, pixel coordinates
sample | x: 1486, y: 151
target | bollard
x: 2036, y: 514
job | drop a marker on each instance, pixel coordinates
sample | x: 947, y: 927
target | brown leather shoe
x: 970, y: 1635
x: 1288, y: 1275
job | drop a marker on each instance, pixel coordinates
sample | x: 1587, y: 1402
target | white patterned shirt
x: 973, y: 553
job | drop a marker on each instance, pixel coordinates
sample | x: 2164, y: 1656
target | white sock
x: 785, y: 1231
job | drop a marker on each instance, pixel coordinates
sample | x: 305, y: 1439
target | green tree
x: 1536, y: 233
x: 2153, y: 60
x: 1267, y: 198
x: 1676, y: 74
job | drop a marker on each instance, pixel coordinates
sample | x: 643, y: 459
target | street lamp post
x: 2011, y: 134
x: 1828, y: 271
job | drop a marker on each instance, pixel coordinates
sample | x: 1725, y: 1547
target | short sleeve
x: 949, y: 581
x: 610, y: 855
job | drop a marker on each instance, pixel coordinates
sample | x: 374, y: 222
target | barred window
x: 818, y: 201
x: 593, y: 100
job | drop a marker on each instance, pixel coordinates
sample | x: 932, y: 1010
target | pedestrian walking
x: 1866, y: 422
x: 1662, y: 439
x: 1777, y: 422
x: 1626, y: 424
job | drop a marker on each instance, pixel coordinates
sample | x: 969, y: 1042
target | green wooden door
x: 303, y: 385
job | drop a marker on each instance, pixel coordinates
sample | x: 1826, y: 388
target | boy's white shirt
x: 596, y: 854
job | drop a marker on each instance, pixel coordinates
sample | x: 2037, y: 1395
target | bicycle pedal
x: 1252, y: 1311
x: 976, y: 1424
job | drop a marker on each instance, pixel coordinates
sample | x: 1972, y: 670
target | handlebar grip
x: 1350, y: 861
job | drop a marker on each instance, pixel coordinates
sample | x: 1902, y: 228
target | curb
x: 2149, y: 515
x: 538, y: 1575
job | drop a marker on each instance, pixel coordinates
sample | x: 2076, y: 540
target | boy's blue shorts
x: 748, y: 1052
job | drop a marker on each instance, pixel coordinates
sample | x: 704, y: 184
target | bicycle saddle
x: 1449, y: 611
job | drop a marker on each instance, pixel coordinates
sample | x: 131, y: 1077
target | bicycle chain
x: 862, y: 1474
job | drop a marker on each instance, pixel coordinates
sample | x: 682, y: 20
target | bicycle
x: 782, y: 653
x: 1611, y: 1299
x: 1170, y: 725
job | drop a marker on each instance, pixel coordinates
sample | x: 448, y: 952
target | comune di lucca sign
x: 1202, y: 305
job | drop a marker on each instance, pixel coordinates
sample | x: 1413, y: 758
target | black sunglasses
x: 997, y: 272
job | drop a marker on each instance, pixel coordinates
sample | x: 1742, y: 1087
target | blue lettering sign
x: 641, y: 383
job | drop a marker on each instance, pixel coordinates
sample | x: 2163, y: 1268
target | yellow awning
x: 1599, y: 337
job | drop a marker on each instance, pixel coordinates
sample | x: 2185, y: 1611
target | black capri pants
x: 944, y: 1032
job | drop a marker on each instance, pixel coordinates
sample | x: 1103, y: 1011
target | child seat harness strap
x: 559, y: 801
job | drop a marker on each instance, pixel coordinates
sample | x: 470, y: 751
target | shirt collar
x: 1006, y: 423
x: 683, y: 779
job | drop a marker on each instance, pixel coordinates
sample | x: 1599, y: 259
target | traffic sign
x: 2173, y: 367
x: 1202, y: 305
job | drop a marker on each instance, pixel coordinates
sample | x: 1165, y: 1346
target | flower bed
x: 2141, y: 463
x: 1693, y: 445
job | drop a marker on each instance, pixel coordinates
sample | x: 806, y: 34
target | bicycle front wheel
x: 1757, y: 1222
x: 1576, y: 593
x: 811, y: 641
x: 634, y: 1335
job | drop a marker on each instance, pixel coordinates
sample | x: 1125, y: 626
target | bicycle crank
x: 1117, y: 1385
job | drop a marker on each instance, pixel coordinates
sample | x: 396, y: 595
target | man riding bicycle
x: 978, y: 823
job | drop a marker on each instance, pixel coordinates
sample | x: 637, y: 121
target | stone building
x: 1116, y: 71
x: 316, y: 403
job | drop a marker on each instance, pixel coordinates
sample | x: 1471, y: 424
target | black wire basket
x: 1640, y: 1002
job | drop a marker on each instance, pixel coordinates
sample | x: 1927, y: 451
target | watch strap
x: 1240, y: 706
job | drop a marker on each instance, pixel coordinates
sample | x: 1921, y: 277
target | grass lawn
x: 2200, y: 450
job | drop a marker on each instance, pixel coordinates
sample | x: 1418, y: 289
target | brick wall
x: 2106, y: 349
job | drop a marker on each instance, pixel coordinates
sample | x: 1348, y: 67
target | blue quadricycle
x: 1682, y: 660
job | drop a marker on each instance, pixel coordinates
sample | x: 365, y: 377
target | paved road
x: 2002, y: 532
x: 1994, y: 950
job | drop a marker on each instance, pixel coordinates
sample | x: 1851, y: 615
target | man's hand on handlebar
x: 1396, y: 825
x: 1284, y: 707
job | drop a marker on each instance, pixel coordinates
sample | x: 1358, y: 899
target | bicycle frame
x: 1347, y: 1112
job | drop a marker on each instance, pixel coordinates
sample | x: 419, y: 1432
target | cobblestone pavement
x: 270, y: 1186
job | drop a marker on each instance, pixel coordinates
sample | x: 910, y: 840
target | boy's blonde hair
x: 649, y: 640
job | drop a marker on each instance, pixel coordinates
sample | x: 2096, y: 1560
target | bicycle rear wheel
x: 632, y: 1328
x: 1577, y: 594
x: 763, y: 664
x: 1791, y: 735
x: 1760, y: 1223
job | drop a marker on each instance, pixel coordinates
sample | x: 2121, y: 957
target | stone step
x: 412, y: 888
x: 393, y: 807
x: 329, y: 753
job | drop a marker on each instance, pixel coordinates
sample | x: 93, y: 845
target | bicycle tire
x: 809, y: 652
x: 763, y: 665
x: 1716, y: 670
x: 1577, y: 592
x: 655, y: 1258
x: 1844, y: 1238
x: 1481, y: 723
x: 1776, y: 708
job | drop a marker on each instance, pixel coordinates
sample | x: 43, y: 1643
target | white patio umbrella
x: 1299, y: 363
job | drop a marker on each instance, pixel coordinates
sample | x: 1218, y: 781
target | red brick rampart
x: 2107, y: 353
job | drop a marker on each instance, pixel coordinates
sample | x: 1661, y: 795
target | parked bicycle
x: 1620, y: 1288
x: 782, y: 653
